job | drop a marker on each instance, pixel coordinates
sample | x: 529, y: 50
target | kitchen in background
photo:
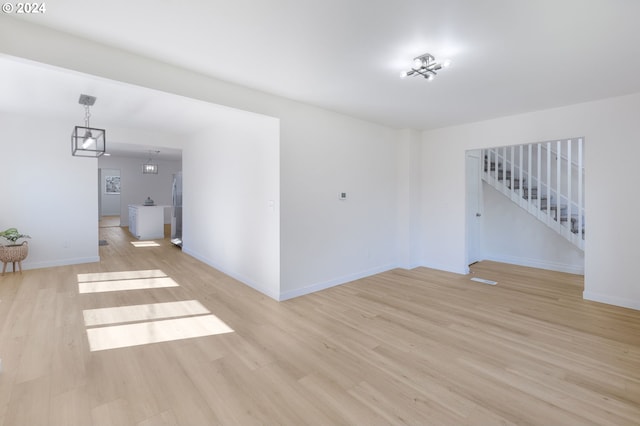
x: 109, y: 199
x: 136, y: 186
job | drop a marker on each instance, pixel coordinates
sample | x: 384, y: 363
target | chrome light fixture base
x: 426, y: 66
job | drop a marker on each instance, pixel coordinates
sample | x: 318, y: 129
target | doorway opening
x: 474, y: 207
x: 521, y: 205
x: 109, y: 198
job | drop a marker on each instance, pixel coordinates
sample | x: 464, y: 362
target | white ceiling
x: 136, y: 118
x: 508, y: 56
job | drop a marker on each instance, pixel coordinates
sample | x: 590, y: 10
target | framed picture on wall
x: 112, y: 184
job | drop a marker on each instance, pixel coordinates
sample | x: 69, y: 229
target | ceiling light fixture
x: 149, y: 168
x: 87, y: 141
x: 426, y: 66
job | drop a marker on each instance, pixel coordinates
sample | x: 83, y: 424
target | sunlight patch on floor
x: 119, y: 285
x: 121, y: 275
x: 121, y: 336
x: 147, y: 323
x: 153, y: 311
x: 483, y: 281
x: 145, y: 244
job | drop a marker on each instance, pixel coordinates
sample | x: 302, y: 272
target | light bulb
x: 446, y: 63
x: 403, y: 74
x: 430, y: 77
x: 418, y: 63
x: 88, y: 140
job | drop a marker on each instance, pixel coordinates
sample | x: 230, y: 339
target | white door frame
x: 474, y: 206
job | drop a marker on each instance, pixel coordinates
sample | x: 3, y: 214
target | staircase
x: 546, y: 179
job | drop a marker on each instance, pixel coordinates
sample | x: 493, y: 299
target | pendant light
x: 150, y: 168
x: 87, y: 141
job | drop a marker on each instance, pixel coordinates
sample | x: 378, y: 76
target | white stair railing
x: 545, y: 179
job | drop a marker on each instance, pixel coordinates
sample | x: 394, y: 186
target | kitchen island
x: 146, y: 222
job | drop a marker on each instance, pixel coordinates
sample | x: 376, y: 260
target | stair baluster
x: 548, y: 184
x: 559, y: 205
x: 580, y: 188
x: 551, y: 200
x: 569, y: 193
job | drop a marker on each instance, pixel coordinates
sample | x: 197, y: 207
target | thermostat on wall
x: 342, y: 195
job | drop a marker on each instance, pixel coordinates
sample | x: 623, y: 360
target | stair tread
x: 505, y: 177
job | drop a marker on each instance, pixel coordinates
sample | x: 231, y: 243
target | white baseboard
x: 464, y: 270
x: 537, y: 263
x: 334, y: 282
x: 244, y: 280
x: 611, y: 300
x: 409, y: 266
x: 59, y: 262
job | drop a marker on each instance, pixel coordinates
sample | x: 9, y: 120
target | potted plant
x: 13, y: 252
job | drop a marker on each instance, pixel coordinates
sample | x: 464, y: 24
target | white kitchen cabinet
x: 146, y: 222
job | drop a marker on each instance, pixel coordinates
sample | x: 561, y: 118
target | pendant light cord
x: 87, y: 114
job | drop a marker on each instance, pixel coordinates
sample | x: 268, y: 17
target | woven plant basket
x: 13, y: 254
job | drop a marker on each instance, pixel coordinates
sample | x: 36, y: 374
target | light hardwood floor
x: 418, y: 347
x: 108, y: 221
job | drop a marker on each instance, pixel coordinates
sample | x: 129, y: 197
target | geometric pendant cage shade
x: 149, y: 168
x: 88, y: 142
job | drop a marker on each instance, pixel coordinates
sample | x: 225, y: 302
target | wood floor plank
x: 166, y: 418
x: 401, y: 347
x: 171, y: 387
x: 112, y: 413
x: 29, y: 404
x: 70, y: 408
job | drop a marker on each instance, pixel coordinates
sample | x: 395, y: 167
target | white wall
x: 231, y: 198
x: 511, y: 235
x: 45, y: 191
x: 408, y: 198
x: 136, y: 186
x: 323, y: 241
x: 327, y: 241
x: 610, y: 127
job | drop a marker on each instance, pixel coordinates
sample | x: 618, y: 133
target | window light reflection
x: 153, y: 311
x: 121, y: 336
x: 143, y: 324
x: 121, y: 275
x: 145, y: 244
x: 119, y: 285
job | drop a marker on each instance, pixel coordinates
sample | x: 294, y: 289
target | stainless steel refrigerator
x: 176, y: 210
